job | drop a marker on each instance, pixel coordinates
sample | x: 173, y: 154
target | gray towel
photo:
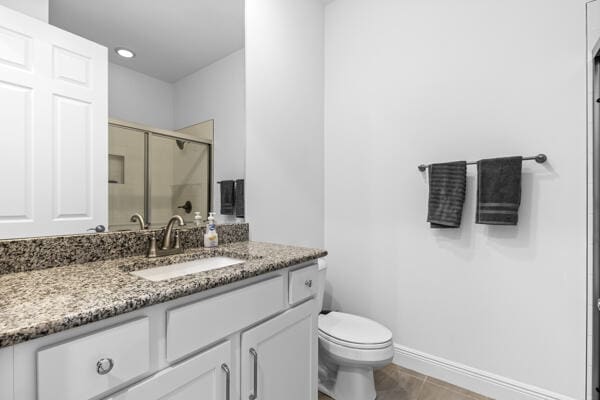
x: 239, y: 198
x: 499, y: 191
x: 227, y: 197
x: 447, y: 186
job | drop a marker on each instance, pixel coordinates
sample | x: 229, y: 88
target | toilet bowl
x: 350, y: 347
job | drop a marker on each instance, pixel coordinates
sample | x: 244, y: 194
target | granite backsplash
x: 19, y: 255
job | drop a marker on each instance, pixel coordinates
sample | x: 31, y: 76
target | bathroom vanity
x: 88, y: 315
x: 97, y: 331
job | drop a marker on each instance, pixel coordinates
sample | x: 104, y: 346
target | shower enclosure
x: 157, y: 173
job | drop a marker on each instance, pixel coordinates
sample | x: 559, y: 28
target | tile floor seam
x: 421, y: 388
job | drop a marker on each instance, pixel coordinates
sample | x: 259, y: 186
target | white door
x: 279, y: 357
x: 53, y: 129
x: 206, y: 376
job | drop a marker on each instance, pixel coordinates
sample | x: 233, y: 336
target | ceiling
x: 171, y: 38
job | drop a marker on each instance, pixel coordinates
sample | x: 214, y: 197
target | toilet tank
x: 321, y: 283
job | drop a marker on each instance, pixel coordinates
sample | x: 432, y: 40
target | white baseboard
x: 482, y: 382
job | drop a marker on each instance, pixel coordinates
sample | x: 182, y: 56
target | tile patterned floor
x: 397, y: 383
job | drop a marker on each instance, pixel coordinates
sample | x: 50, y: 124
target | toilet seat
x: 351, y: 345
x: 353, y: 331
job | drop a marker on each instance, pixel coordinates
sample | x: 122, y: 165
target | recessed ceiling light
x: 125, y: 53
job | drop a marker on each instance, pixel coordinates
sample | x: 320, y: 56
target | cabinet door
x: 206, y: 376
x: 6, y: 373
x: 53, y: 144
x: 279, y: 357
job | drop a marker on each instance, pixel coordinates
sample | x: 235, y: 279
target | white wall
x: 284, y: 120
x: 418, y: 81
x: 136, y: 97
x: 217, y: 92
x: 34, y: 8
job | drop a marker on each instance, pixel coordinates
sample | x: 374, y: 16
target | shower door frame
x: 595, y: 179
x: 148, y: 133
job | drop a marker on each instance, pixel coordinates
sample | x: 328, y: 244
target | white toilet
x: 349, y: 348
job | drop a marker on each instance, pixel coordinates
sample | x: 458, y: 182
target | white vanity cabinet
x: 54, y: 139
x: 279, y: 356
x: 234, y: 342
x: 191, y: 326
x: 206, y: 376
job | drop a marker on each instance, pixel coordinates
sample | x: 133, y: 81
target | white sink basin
x: 191, y: 267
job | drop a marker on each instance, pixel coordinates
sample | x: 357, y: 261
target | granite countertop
x: 41, y: 302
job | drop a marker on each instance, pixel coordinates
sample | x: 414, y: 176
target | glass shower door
x: 126, y: 176
x: 179, y: 179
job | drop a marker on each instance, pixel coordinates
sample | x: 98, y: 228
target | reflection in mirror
x: 181, y: 184
x: 157, y: 173
x: 126, y: 176
x: 175, y: 99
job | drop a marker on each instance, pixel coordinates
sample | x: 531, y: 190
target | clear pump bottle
x: 211, y: 239
x: 197, y: 219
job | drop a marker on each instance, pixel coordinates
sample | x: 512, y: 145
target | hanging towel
x: 499, y: 190
x: 447, y: 186
x: 227, y: 197
x: 239, y: 198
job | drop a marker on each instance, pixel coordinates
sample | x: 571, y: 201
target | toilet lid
x: 353, y: 329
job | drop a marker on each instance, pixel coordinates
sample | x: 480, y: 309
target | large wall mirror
x: 157, y: 173
x: 176, y: 107
x: 176, y: 122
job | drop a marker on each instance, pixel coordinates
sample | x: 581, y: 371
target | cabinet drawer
x: 69, y: 371
x: 197, y: 325
x: 303, y: 283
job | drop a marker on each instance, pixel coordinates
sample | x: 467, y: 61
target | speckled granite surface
x: 44, y: 301
x: 46, y: 252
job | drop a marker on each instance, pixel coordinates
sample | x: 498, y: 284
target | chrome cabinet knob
x: 308, y: 283
x: 104, y: 366
x: 98, y: 229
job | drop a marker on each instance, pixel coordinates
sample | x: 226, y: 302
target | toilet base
x: 355, y: 383
x: 352, y: 383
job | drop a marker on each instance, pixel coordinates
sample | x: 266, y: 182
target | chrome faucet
x: 140, y: 220
x: 167, y: 238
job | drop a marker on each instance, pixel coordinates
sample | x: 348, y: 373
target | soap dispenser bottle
x: 198, y: 219
x: 211, y: 239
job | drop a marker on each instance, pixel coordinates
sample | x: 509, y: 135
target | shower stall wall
x: 158, y: 174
